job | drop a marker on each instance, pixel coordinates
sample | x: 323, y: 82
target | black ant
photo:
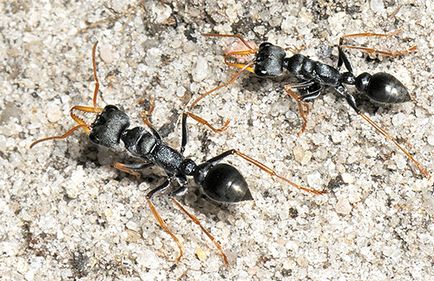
x: 270, y: 61
x: 219, y: 182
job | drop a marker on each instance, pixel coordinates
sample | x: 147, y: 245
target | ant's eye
x: 94, y: 138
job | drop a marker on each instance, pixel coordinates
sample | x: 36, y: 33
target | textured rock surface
x: 66, y: 213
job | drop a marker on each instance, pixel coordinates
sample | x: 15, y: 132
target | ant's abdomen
x: 382, y: 87
x: 225, y: 184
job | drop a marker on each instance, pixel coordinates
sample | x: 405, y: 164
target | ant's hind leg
x: 194, y: 219
x: 373, y: 51
x: 160, y: 220
x: 351, y: 101
x: 263, y: 167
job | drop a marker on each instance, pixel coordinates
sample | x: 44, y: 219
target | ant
x: 219, y: 182
x: 270, y: 61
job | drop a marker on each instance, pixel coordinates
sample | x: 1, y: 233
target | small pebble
x: 200, y: 70
x: 106, y: 54
x: 377, y: 6
x: 343, y: 207
x: 347, y: 178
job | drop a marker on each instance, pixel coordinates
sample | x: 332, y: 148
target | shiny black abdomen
x: 223, y: 183
x: 385, y: 88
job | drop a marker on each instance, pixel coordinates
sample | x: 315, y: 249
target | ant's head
x: 138, y: 141
x: 222, y: 183
x: 108, y: 126
x: 269, y: 60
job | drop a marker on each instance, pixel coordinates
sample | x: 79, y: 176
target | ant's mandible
x: 271, y: 61
x: 219, y: 182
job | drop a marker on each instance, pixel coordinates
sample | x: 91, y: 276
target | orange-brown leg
x: 241, y: 38
x: 227, y: 83
x: 295, y: 50
x: 147, y: 121
x: 122, y: 167
x: 422, y: 169
x: 81, y: 123
x: 243, y: 53
x: 373, y: 51
x: 164, y: 226
x: 303, y: 108
x: 151, y: 107
x: 147, y: 113
x: 206, y: 123
x: 204, y: 230
x: 266, y: 169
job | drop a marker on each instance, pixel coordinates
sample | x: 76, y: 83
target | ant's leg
x: 206, y: 123
x: 146, y: 116
x: 130, y: 168
x: 204, y: 230
x: 238, y: 54
x: 160, y: 220
x: 184, y: 133
x: 369, y: 34
x: 352, y: 102
x: 241, y: 38
x: 227, y: 83
x: 303, y: 108
x: 81, y: 123
x: 373, y: 51
x: 263, y: 167
x: 302, y: 85
x: 343, y: 59
x: 94, y: 108
x: 422, y: 169
x: 311, y: 95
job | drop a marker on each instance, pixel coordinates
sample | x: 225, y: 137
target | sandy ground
x: 66, y: 213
